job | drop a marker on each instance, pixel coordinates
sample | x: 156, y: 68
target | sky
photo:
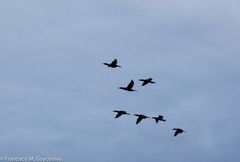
x: 57, y: 98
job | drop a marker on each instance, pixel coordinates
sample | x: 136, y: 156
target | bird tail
x: 106, y: 64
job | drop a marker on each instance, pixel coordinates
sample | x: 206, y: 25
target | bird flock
x: 129, y: 87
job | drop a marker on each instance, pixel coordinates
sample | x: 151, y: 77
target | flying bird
x: 120, y: 113
x: 140, y: 117
x: 146, y: 81
x: 178, y: 131
x: 113, y: 64
x: 129, y: 87
x: 157, y: 119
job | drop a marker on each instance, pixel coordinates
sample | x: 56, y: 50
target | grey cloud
x: 57, y: 97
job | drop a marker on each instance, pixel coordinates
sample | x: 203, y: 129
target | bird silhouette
x: 160, y: 117
x: 113, y: 64
x: 120, y: 113
x: 146, y: 81
x: 129, y: 87
x: 140, y: 117
x: 178, y: 131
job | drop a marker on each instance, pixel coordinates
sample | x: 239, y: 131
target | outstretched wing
x: 138, y: 120
x: 130, y: 85
x: 155, y: 118
x: 105, y: 64
x: 118, y: 115
x: 160, y: 116
x: 144, y: 83
x: 176, y: 133
x: 114, y: 62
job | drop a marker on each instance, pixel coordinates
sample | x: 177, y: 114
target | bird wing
x: 118, y: 115
x: 105, y: 64
x: 130, y: 85
x: 176, y: 133
x: 114, y: 62
x: 144, y: 83
x: 156, y: 119
x: 138, y: 120
x: 160, y: 116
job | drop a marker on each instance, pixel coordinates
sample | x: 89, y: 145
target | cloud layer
x: 57, y: 98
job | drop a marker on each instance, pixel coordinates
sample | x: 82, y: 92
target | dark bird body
x: 113, y: 64
x: 129, y: 87
x: 146, y: 81
x: 140, y: 117
x: 120, y: 113
x: 178, y: 131
x: 159, y: 118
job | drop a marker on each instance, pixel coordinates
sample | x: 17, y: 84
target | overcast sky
x: 56, y: 97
